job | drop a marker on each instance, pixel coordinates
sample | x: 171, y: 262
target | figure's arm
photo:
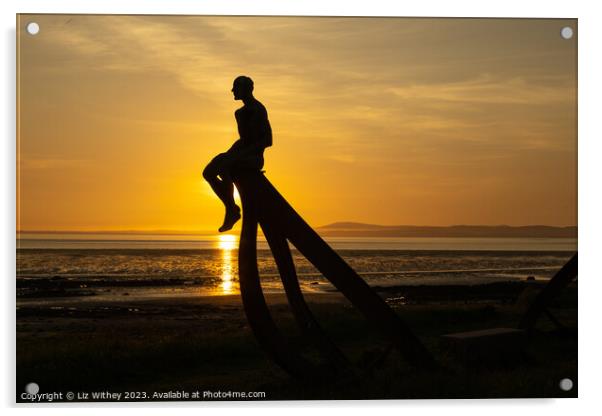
x: 259, y: 134
x: 236, y: 146
x: 247, y: 150
x: 261, y: 130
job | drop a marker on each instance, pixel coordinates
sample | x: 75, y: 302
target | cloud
x: 343, y: 158
x: 487, y: 89
x: 419, y: 101
x: 53, y: 163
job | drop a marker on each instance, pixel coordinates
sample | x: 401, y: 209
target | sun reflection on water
x: 226, y: 244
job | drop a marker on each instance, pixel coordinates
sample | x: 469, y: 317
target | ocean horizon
x: 186, y: 241
x: 172, y: 264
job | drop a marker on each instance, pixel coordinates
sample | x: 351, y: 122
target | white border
x: 590, y: 201
x: 461, y: 8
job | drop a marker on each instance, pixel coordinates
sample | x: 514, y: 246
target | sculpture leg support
x: 256, y: 190
x: 255, y: 306
x: 303, y: 315
x: 346, y: 280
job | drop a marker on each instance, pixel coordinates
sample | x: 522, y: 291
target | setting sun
x: 227, y: 242
x: 400, y: 117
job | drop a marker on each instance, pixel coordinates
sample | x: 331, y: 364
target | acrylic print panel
x: 289, y: 208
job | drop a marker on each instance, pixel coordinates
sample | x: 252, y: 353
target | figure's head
x: 242, y: 87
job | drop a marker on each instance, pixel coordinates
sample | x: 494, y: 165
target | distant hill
x: 349, y: 229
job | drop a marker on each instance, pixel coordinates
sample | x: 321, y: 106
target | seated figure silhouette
x: 247, y: 152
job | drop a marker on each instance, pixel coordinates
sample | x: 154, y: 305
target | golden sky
x: 376, y: 120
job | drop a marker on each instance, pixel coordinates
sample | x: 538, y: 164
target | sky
x: 393, y: 121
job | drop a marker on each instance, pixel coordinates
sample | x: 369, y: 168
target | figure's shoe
x: 232, y: 216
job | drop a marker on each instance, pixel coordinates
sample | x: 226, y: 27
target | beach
x: 165, y: 317
x: 204, y: 343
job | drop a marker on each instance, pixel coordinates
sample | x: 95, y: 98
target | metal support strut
x: 262, y: 204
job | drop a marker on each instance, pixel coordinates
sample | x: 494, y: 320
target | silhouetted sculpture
x: 247, y: 152
x: 262, y: 204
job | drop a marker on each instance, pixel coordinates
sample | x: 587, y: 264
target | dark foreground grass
x: 176, y: 351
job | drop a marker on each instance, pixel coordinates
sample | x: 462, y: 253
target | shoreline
x: 55, y: 287
x: 205, y: 342
x: 502, y: 292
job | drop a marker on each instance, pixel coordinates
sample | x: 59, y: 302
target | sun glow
x: 226, y: 244
x: 496, y: 123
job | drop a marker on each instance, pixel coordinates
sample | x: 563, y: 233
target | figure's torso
x: 253, y: 125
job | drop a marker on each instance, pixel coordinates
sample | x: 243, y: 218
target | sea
x: 170, y: 265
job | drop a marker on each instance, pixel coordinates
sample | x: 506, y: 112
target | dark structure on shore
x: 263, y: 205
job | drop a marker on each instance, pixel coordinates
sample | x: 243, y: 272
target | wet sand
x: 204, y: 342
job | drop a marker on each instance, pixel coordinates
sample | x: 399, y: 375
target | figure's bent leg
x: 232, y: 210
x: 215, y: 175
x: 218, y: 175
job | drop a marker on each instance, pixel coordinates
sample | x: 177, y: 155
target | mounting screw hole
x: 33, y: 28
x: 566, y: 384
x: 32, y: 388
x: 566, y: 32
